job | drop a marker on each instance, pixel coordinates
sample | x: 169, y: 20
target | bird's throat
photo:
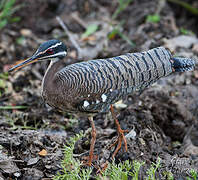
x: 50, y: 75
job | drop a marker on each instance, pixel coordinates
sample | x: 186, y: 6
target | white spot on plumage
x: 86, y: 104
x: 104, y: 97
x: 111, y: 90
x: 97, y: 101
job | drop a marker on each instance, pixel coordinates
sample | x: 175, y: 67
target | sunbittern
x: 93, y: 86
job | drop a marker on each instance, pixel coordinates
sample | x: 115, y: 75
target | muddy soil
x: 164, y: 118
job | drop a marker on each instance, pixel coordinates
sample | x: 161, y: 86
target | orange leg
x: 93, y: 140
x: 120, y: 132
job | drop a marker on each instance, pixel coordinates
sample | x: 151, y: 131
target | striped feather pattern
x: 94, y: 85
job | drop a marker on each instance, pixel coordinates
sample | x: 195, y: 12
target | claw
x: 121, y: 136
x: 104, y: 167
x: 87, y: 160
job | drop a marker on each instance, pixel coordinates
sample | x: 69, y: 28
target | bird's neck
x: 48, y: 82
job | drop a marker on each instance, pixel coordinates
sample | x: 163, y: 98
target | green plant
x: 71, y: 167
x: 20, y: 40
x: 152, y: 170
x: 92, y: 28
x: 9, y: 107
x: 117, y: 31
x: 18, y: 119
x: 168, y: 175
x: 194, y: 175
x: 185, y: 5
x: 122, y: 171
x: 7, y: 9
x: 155, y: 18
x: 4, y: 75
x: 117, y: 28
x: 121, y: 7
x: 136, y: 165
x: 3, y: 83
x: 185, y: 31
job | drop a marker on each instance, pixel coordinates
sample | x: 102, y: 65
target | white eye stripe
x: 63, y: 53
x: 51, y: 47
x: 55, y: 45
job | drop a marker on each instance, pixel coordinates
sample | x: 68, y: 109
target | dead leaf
x: 120, y: 105
x: 73, y: 54
x: 26, y: 32
x: 89, y: 38
x: 43, y: 152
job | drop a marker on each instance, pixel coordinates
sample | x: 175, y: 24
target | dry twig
x: 71, y: 38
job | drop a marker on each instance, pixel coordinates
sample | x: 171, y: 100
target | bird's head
x: 50, y: 50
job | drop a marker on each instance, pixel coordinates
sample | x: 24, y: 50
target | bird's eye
x: 50, y: 51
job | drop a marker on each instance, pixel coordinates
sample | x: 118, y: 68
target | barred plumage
x: 92, y: 86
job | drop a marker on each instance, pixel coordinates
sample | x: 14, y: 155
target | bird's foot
x: 121, y: 138
x: 120, y: 132
x: 102, y: 168
x: 87, y: 160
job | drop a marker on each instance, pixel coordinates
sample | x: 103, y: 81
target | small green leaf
x: 7, y: 9
x: 2, y: 83
x: 116, y: 31
x: 4, y: 75
x: 3, y: 23
x: 124, y: 176
x: 124, y: 37
x: 12, y: 107
x: 123, y: 4
x: 92, y: 28
x: 186, y: 5
x: 15, y: 19
x: 153, y: 18
x: 185, y: 31
x: 194, y: 174
x: 113, y: 33
x: 20, y: 40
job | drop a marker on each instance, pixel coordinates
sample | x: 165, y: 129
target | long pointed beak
x: 24, y: 63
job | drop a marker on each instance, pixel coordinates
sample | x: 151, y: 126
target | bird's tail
x: 183, y: 64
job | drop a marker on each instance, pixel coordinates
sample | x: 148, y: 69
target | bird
x: 90, y: 87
